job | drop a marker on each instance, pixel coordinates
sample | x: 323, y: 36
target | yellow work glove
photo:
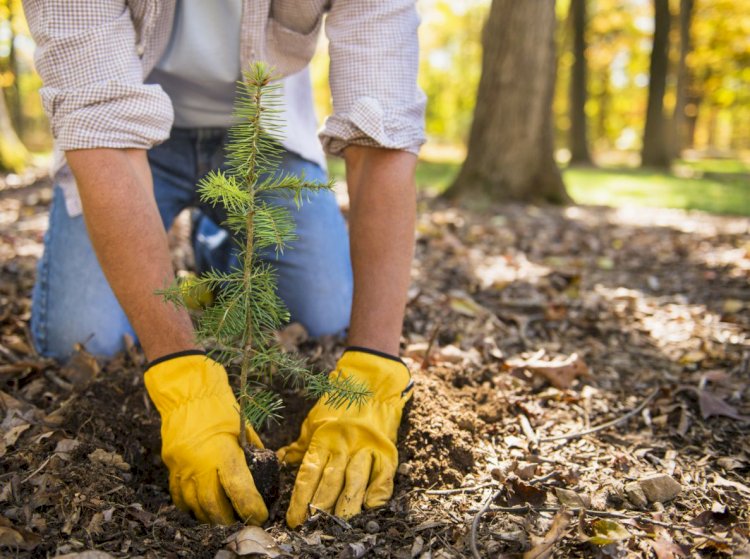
x: 349, y: 455
x: 200, y: 422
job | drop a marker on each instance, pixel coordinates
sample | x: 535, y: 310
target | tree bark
x: 679, y: 118
x: 510, y: 151
x: 579, y: 146
x: 656, y: 152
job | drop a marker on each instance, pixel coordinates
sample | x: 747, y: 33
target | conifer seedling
x: 240, y: 325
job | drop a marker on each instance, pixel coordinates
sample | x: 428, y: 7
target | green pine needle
x: 241, y: 323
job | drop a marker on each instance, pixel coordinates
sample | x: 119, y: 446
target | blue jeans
x: 73, y: 303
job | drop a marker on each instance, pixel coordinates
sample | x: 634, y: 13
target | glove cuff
x: 386, y: 376
x: 176, y: 379
x: 174, y: 355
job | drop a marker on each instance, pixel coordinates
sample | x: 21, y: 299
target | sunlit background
x: 711, y: 170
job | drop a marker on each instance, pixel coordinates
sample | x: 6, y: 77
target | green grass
x: 728, y: 194
x: 715, y: 186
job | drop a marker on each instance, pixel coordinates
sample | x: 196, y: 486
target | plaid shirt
x: 94, y: 56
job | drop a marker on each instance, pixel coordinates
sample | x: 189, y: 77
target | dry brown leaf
x: 543, y: 546
x: 292, y: 336
x: 462, y: 303
x: 520, y: 493
x: 572, y: 499
x: 10, y: 538
x: 560, y: 373
x: 664, y: 547
x: 723, y: 482
x: 711, y: 404
x: 252, y: 540
x: 81, y: 368
x: 101, y: 456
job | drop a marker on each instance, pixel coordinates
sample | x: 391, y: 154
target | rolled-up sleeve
x: 93, y: 90
x: 374, y: 53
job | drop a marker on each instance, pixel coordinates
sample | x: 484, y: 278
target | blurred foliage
x: 22, y: 121
x: 619, y: 42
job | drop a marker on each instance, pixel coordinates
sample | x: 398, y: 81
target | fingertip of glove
x: 294, y: 518
x: 289, y: 455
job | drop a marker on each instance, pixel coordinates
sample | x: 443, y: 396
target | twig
x: 430, y: 344
x: 543, y: 478
x: 340, y: 521
x: 475, y: 524
x: 35, y: 472
x: 459, y: 489
x: 527, y: 429
x: 606, y: 425
x: 64, y: 384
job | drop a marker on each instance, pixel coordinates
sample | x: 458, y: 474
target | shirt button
x: 139, y: 49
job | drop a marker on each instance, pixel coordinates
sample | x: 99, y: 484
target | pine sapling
x: 240, y: 325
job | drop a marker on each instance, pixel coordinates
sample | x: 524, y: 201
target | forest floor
x: 525, y: 328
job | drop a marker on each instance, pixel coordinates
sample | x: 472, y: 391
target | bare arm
x: 382, y: 218
x: 126, y: 231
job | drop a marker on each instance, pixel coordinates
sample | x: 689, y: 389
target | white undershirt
x: 201, y: 65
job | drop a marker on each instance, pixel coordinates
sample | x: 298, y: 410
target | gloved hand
x: 199, y: 427
x: 349, y: 455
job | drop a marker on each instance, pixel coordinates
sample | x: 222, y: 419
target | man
x: 113, y: 72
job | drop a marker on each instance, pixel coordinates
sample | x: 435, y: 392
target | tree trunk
x: 510, y: 152
x: 656, y: 152
x: 679, y: 118
x: 579, y: 147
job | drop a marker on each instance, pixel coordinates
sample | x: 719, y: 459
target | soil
x: 523, y: 324
x: 264, y: 466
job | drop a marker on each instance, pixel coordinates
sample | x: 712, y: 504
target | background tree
x: 656, y: 151
x: 579, y: 146
x: 679, y: 120
x: 510, y: 151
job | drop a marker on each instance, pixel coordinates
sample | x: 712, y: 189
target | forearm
x: 382, y: 198
x: 128, y: 237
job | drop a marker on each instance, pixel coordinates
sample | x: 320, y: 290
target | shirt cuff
x: 369, y: 124
x: 108, y: 115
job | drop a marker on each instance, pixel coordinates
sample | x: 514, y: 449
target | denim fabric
x: 72, y: 301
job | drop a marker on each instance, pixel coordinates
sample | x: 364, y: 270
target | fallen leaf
x: 252, y: 540
x: 560, y: 373
x: 520, y: 493
x: 292, y: 336
x: 354, y: 551
x: 709, y: 517
x: 101, y: 456
x: 607, y: 532
x: 711, y: 404
x: 543, y: 546
x: 66, y: 446
x: 732, y: 306
x: 80, y: 369
x: 692, y: 357
x: 731, y: 463
x: 723, y: 482
x: 10, y: 538
x: 571, y: 499
x: 462, y: 303
x: 11, y: 436
x: 664, y: 547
